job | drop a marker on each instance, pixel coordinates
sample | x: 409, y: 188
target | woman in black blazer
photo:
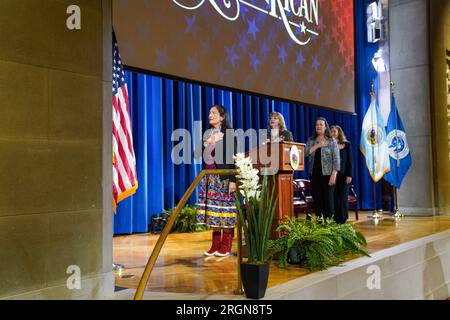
x: 344, y: 177
x: 277, y: 128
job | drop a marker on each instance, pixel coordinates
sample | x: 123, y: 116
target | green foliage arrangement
x: 186, y: 221
x: 320, y: 243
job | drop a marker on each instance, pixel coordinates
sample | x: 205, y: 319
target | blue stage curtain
x: 160, y: 106
x: 365, y: 74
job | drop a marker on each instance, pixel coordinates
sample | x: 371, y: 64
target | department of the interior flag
x: 373, y: 142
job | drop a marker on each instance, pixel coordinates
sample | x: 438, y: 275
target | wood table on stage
x: 282, y: 158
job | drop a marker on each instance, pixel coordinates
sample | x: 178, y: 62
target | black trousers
x: 323, y: 196
x: 341, y: 199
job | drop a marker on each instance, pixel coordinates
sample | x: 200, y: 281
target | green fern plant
x: 320, y: 243
x: 186, y: 221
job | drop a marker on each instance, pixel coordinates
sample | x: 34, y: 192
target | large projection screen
x: 298, y: 50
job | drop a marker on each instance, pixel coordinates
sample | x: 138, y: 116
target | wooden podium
x: 283, y: 159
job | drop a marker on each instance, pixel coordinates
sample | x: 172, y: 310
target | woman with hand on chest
x: 277, y: 128
x: 217, y: 202
x: 323, y: 166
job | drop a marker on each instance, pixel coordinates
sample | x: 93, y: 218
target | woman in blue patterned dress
x: 217, y: 202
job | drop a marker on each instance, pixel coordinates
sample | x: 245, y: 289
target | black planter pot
x: 254, y: 279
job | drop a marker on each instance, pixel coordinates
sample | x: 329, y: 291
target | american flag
x: 124, y: 161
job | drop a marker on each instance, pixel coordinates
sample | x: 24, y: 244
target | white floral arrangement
x: 248, y: 177
x: 257, y: 209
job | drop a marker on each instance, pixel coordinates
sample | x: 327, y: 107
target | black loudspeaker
x: 157, y: 224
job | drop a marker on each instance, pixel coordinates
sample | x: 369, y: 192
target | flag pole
x: 397, y: 213
x: 375, y: 214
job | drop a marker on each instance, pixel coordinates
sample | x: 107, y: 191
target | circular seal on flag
x: 374, y: 136
x: 295, y: 157
x: 397, y: 145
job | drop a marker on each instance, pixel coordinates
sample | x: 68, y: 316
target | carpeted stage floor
x: 182, y: 268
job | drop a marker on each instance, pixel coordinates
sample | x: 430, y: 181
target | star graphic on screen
x: 162, y: 58
x: 300, y: 60
x: 191, y: 26
x: 193, y: 64
x: 243, y: 42
x: 303, y: 27
x: 254, y: 62
x: 252, y: 28
x: 231, y: 56
x: 264, y: 48
x: 315, y: 64
x: 282, y: 53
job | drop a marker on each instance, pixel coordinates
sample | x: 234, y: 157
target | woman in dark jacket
x: 278, y: 130
x: 217, y: 202
x: 344, y: 177
x: 323, y: 165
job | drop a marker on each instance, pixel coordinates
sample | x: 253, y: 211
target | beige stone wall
x: 439, y: 42
x: 51, y: 94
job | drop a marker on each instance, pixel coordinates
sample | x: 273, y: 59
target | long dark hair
x: 327, y: 128
x: 224, y: 114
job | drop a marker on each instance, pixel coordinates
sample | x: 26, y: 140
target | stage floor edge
x: 410, y: 259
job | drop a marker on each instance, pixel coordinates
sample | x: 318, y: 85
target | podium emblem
x: 295, y: 157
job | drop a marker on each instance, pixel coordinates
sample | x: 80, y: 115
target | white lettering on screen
x: 306, y: 10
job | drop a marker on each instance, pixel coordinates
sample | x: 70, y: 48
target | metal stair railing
x: 162, y: 238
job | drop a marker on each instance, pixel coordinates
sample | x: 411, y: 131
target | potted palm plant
x: 256, y: 210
